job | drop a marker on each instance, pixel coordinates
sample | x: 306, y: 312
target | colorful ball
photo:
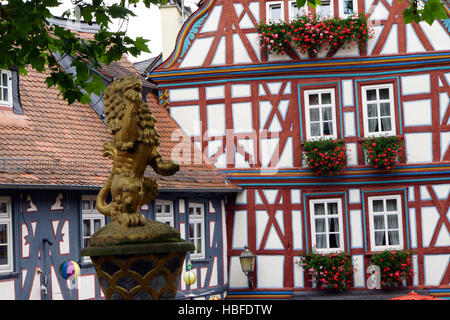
x: 69, y: 270
x: 189, y: 277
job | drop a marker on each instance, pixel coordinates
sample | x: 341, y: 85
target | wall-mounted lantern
x: 247, y: 259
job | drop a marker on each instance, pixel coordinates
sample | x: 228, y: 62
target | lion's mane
x: 115, y: 104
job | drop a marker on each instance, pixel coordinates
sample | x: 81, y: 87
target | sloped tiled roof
x: 56, y: 145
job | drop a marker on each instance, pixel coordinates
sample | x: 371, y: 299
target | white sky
x: 146, y: 24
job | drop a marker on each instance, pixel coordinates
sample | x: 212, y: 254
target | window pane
x: 167, y: 208
x: 326, y: 98
x: 319, y: 208
x: 198, y: 228
x: 191, y: 211
x: 334, y: 240
x: 327, y: 128
x: 1, y: 95
x: 93, y: 204
x: 86, y: 228
x: 320, y: 225
x: 3, y: 234
x: 392, y: 221
x: 315, y: 129
x: 198, y: 246
x: 333, y: 225
x: 385, y: 109
x: 327, y: 114
x: 3, y: 255
x: 384, y: 94
x: 275, y: 12
x: 314, y: 114
x: 371, y: 95
x: 159, y: 208
x: 380, y: 238
x: 86, y: 205
x: 391, y: 205
x: 348, y: 6
x: 86, y: 242
x: 325, y: 8
x: 294, y: 9
x: 373, y: 125
x: 313, y: 99
x: 332, y: 208
x: 5, y: 79
x: 97, y: 224
x: 386, y: 124
x: 378, y: 222
x: 321, y: 241
x: 377, y: 205
x: 393, y: 238
x: 372, y: 110
x: 191, y: 230
x: 5, y: 94
x: 3, y: 207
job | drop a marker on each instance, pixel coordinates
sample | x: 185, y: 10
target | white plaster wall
x: 416, y: 84
x: 417, y: 113
x: 237, y: 277
x: 188, y: 118
x: 356, y: 228
x: 419, y: 147
x: 239, y: 239
x: 7, y: 290
x: 434, y: 268
x: 297, y: 232
x: 270, y: 271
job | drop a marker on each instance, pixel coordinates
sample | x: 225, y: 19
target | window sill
x: 86, y: 264
x: 199, y: 260
x: 7, y: 275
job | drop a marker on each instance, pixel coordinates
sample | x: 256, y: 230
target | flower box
x: 325, y: 157
x: 308, y: 34
x: 328, y: 271
x: 385, y: 152
x: 395, y: 267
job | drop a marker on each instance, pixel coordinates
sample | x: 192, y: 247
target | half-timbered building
x: 250, y: 113
x: 51, y: 169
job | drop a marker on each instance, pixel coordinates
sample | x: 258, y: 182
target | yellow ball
x: 189, y: 277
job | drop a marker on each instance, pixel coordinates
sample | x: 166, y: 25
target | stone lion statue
x: 135, y: 146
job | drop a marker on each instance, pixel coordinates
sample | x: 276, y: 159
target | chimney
x: 173, y: 15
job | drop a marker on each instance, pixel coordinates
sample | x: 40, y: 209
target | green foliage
x: 27, y: 40
x: 394, y: 266
x: 432, y: 10
x: 332, y: 271
x: 325, y: 157
x: 310, y: 33
x: 384, y: 152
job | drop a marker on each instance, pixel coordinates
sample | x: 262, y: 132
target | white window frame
x: 307, y: 116
x: 385, y: 213
x: 331, y: 9
x: 291, y: 9
x: 378, y: 101
x: 268, y: 10
x: 197, y: 219
x: 313, y: 217
x: 163, y: 216
x: 9, y: 87
x: 90, y: 214
x: 6, y: 219
x: 341, y: 8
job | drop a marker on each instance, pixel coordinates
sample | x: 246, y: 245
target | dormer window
x: 5, y: 89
